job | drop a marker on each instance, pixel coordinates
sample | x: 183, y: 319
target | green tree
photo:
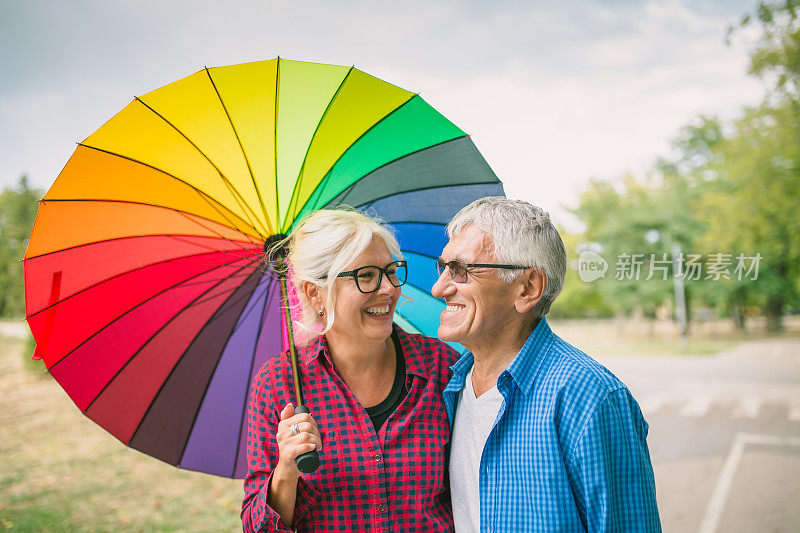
x: 578, y: 299
x: 728, y: 189
x: 17, y: 212
x: 636, y: 222
x: 776, y: 56
x: 750, y: 205
x: 754, y: 191
x: 697, y: 155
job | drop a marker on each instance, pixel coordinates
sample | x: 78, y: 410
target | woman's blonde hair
x: 322, y: 246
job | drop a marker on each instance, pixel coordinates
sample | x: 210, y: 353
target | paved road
x: 17, y: 329
x: 724, y: 435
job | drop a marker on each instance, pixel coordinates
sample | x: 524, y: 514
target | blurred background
x: 662, y: 136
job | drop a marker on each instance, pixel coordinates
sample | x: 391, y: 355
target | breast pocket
x: 324, y: 478
x: 426, y: 447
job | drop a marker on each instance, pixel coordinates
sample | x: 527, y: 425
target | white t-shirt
x: 473, y: 423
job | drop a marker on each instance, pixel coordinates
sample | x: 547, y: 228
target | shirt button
x: 381, y: 508
x: 377, y: 457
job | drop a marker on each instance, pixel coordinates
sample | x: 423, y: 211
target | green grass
x: 28, y: 347
x: 607, y: 337
x: 61, y: 472
x: 657, y: 346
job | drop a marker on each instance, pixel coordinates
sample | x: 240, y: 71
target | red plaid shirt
x: 390, y: 481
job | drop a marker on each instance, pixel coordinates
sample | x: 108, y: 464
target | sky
x: 552, y: 93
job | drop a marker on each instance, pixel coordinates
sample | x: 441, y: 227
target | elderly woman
x: 375, y: 392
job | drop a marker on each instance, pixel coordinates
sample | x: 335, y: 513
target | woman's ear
x: 312, y: 293
x: 531, y: 289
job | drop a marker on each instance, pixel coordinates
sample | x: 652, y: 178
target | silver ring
x: 294, y: 429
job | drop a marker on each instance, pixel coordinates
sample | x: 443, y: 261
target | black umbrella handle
x: 309, y: 461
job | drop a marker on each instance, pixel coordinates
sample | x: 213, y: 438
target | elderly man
x: 544, y: 438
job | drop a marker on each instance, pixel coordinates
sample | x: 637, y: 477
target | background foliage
x: 727, y: 187
x: 17, y: 211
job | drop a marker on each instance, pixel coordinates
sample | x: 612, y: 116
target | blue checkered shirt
x: 568, y: 450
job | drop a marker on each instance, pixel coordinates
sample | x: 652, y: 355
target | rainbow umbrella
x: 146, y: 286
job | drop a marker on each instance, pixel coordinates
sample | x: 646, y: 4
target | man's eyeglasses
x: 368, y: 278
x: 458, y: 270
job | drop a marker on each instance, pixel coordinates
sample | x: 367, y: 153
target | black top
x: 379, y: 413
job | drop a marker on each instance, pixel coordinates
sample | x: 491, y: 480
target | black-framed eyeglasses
x: 458, y: 270
x: 368, y: 278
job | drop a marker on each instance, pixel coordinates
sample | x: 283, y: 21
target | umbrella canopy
x: 146, y: 287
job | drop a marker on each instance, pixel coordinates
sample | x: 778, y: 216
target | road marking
x: 794, y: 409
x: 725, y: 480
x: 697, y: 405
x: 747, y: 407
x: 653, y: 403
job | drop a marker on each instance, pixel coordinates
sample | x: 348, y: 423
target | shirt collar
x: 414, y: 354
x: 317, y: 347
x: 523, y: 367
x: 461, y: 367
x: 526, y: 363
x: 412, y: 351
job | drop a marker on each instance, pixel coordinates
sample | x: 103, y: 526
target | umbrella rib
x: 133, y: 356
x: 420, y: 289
x: 186, y: 215
x: 326, y: 179
x: 275, y: 143
x: 392, y: 222
x: 269, y: 284
x: 240, y: 320
x: 207, y: 198
x: 365, y: 132
x: 250, y: 270
x: 235, y: 329
x: 224, y: 291
x: 161, y: 387
x: 121, y: 274
x: 409, y: 321
x: 130, y: 237
x: 310, y: 142
x: 216, y: 249
x: 396, y: 160
x: 250, y: 376
x: 349, y: 188
x: 234, y: 192
x: 244, y: 153
x: 87, y: 339
x: 249, y: 238
x: 211, y: 378
x: 419, y: 253
x: 174, y: 236
x: 418, y: 189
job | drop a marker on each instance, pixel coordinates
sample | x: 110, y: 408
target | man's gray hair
x: 522, y: 234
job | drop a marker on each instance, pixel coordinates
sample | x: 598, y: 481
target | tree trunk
x: 773, y: 310
x: 737, y: 313
x: 687, y: 299
x: 737, y: 309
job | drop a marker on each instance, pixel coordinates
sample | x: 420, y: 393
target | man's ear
x: 531, y: 289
